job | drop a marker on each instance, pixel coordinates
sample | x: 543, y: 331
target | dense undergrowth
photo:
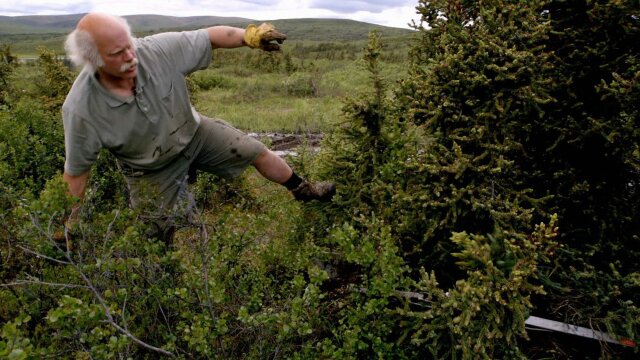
x: 498, y: 179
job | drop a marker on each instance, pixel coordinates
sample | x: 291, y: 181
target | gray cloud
x: 351, y: 6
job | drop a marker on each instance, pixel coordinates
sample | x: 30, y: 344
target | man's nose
x: 129, y: 55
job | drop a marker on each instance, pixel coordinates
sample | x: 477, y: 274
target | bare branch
x: 49, y: 232
x: 109, y: 316
x: 38, y: 282
x: 32, y: 252
x: 87, y: 281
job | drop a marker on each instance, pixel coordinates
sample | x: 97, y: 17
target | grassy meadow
x: 279, y: 92
x: 300, y: 89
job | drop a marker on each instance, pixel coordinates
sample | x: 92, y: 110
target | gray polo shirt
x: 145, y: 131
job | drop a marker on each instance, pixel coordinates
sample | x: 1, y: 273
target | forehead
x: 112, y: 38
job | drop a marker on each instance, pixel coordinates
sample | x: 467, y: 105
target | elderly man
x: 131, y: 98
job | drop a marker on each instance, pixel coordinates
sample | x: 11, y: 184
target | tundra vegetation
x: 487, y: 169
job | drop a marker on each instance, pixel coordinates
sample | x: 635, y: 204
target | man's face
x: 118, y: 54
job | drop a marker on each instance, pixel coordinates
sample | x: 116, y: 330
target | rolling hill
x: 25, y: 33
x: 13, y: 25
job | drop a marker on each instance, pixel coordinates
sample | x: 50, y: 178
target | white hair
x: 82, y: 49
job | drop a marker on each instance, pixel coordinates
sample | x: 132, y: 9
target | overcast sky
x: 395, y: 13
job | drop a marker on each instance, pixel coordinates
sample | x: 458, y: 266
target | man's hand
x: 77, y: 185
x: 261, y: 37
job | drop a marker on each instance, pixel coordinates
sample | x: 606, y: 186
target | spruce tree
x: 533, y: 107
x: 585, y: 156
x: 446, y: 191
x: 476, y: 85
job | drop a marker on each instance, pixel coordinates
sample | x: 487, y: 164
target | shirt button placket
x: 143, y: 105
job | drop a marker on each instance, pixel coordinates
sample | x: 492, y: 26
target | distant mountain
x: 37, y: 24
x: 333, y: 29
x: 313, y: 29
x: 13, y: 25
x: 26, y: 33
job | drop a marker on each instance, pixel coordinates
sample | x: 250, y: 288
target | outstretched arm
x: 226, y: 37
x: 264, y: 37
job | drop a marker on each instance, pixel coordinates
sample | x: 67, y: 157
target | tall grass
x: 283, y: 92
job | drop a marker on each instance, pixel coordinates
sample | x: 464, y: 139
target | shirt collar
x: 115, y: 100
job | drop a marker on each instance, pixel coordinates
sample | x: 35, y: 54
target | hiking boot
x: 322, y: 191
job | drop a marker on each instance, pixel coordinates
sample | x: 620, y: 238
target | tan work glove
x: 261, y: 37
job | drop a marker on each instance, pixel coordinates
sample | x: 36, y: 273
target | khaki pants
x: 216, y: 147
